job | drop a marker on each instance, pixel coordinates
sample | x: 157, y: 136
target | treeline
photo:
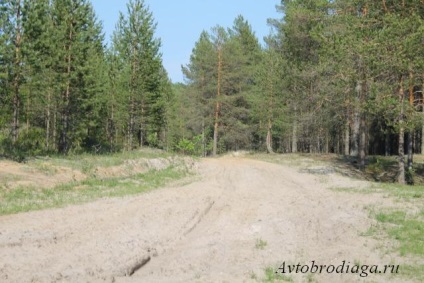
x: 339, y: 76
x: 63, y: 91
x: 343, y: 76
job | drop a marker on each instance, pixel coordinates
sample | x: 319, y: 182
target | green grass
x: 86, y: 163
x: 400, y: 192
x: 412, y: 271
x: 378, y: 168
x: 261, y: 244
x: 5, y: 178
x: 310, y: 278
x: 408, y: 230
x: 293, y: 159
x: 27, y: 199
x: 404, y: 192
x: 43, y: 167
x: 402, y: 224
x: 271, y: 276
x: 399, y: 227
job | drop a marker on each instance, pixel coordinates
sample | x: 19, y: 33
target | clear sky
x: 181, y: 22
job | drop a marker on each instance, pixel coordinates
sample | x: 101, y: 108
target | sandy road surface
x: 202, y: 232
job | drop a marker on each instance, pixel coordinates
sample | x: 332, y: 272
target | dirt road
x: 240, y: 217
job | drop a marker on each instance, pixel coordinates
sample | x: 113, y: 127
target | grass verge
x: 378, y: 168
x: 402, y: 225
x: 25, y: 199
x: 88, y: 162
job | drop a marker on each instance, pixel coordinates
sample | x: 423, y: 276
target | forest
x: 334, y: 76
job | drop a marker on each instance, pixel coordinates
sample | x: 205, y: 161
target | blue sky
x: 181, y: 22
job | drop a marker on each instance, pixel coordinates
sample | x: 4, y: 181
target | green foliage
x: 221, y: 76
x: 409, y: 176
x: 326, y: 66
x: 412, y: 271
x: 59, y: 79
x: 28, y: 199
x: 185, y: 146
x: 29, y: 143
x: 190, y: 147
x: 407, y: 230
x: 261, y: 244
x: 271, y: 276
x: 138, y: 82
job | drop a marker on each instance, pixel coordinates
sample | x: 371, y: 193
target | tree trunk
x: 55, y: 142
x: 27, y: 109
x: 362, y: 126
x: 347, y: 138
x: 131, y: 125
x: 327, y: 143
x: 111, y: 123
x: 215, y: 133
x: 401, y: 175
x: 17, y: 75
x: 48, y: 120
x: 340, y: 144
x: 143, y: 131
x: 269, y: 138
x: 16, y: 107
x: 387, y: 144
x: 142, y: 126
x: 217, y: 105
x: 270, y: 108
x: 422, y: 132
x: 294, y: 133
x: 355, y: 131
x: 64, y: 142
x: 203, y: 138
x: 410, y: 150
x: 362, y: 142
x: 410, y: 132
x: 422, y: 109
x: 64, y: 146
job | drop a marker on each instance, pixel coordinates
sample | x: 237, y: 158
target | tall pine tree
x: 141, y: 74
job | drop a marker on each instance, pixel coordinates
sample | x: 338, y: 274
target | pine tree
x: 268, y: 101
x: 300, y: 50
x: 38, y: 53
x: 78, y: 42
x: 4, y: 67
x: 200, y: 75
x: 142, y: 75
x: 11, y: 60
x: 222, y: 72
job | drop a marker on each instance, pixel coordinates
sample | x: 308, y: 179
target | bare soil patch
x: 205, y: 231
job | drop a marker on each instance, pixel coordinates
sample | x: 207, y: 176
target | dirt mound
x: 46, y: 175
x: 13, y: 175
x: 142, y: 165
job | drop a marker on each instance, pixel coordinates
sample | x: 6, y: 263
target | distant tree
x: 39, y: 55
x: 78, y: 51
x: 11, y: 34
x: 268, y: 103
x: 141, y: 74
x: 222, y: 71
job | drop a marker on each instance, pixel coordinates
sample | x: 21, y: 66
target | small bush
x: 409, y: 176
x: 30, y: 143
x: 190, y: 146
